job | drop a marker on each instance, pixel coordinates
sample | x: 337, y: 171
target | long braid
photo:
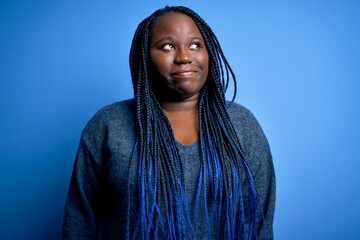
x: 163, y: 209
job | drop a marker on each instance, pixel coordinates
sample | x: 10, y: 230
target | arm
x: 264, y: 176
x: 80, y: 214
x: 258, y: 154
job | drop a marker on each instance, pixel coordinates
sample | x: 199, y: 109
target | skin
x: 180, y: 63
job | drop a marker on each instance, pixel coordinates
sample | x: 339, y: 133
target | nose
x: 183, y: 56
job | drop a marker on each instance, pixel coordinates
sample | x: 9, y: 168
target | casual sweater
x: 106, y: 168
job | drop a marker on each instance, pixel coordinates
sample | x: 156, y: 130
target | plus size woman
x: 177, y: 161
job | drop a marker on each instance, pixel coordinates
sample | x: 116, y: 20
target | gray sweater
x: 97, y: 200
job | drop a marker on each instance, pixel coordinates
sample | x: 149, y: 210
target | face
x: 179, y: 58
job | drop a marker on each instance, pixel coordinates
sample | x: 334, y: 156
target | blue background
x: 298, y: 70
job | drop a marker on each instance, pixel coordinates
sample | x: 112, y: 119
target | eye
x: 168, y: 46
x: 195, y: 46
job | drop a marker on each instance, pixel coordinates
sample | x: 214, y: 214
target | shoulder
x: 251, y: 135
x: 118, y: 115
x: 242, y: 118
x: 112, y: 111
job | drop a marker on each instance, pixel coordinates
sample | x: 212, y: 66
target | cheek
x: 160, y: 63
x: 203, y: 59
x: 205, y: 64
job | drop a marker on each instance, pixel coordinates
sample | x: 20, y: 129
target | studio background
x: 298, y: 70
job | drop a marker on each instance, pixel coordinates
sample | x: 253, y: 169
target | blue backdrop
x: 298, y: 68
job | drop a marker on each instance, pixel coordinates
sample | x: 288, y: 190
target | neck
x: 183, y: 120
x: 187, y: 105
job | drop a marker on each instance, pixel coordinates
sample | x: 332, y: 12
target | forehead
x: 174, y: 22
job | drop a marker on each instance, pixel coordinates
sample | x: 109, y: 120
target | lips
x: 184, y: 73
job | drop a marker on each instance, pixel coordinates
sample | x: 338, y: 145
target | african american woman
x: 177, y: 161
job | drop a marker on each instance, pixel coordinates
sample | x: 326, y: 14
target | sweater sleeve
x: 264, y: 176
x: 80, y: 213
x: 258, y: 154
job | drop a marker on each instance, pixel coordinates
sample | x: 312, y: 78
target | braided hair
x: 225, y: 179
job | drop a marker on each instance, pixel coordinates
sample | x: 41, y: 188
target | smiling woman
x: 180, y: 59
x: 177, y: 161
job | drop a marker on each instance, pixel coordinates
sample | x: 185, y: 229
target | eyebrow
x: 164, y: 39
x: 169, y: 38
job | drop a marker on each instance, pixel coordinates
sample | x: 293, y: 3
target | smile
x: 186, y: 73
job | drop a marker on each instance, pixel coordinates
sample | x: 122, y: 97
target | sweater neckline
x: 193, y: 145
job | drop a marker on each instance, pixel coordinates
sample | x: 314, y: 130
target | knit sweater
x: 106, y: 168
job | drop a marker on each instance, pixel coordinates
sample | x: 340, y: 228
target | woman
x: 177, y: 161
